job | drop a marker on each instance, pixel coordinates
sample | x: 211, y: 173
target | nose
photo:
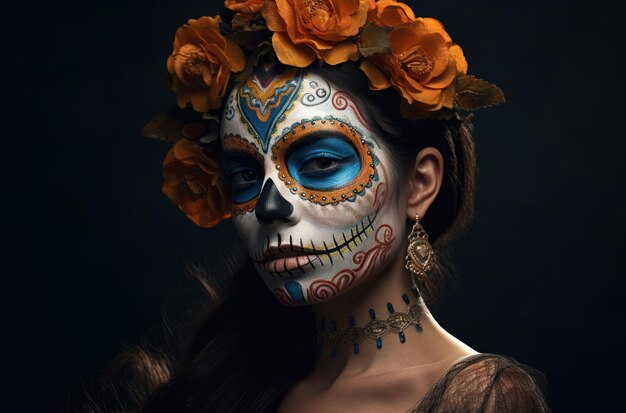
x: 271, y: 205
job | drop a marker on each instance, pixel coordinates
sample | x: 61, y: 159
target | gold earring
x: 420, y: 256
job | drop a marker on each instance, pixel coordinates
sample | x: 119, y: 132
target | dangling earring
x: 420, y: 256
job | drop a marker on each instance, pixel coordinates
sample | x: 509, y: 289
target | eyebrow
x: 232, y: 143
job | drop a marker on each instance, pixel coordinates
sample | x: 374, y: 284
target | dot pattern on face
x: 325, y: 161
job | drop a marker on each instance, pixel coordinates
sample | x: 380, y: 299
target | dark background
x: 92, y: 250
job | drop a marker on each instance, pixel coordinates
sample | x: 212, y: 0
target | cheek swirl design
x: 322, y: 290
x: 342, y: 171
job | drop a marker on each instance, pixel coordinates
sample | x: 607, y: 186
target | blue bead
x: 351, y: 321
x: 356, y: 348
x: 390, y: 307
x: 402, y: 337
x: 379, y: 343
x: 405, y: 298
x: 332, y: 325
x: 419, y: 328
x: 372, y: 314
x: 333, y: 351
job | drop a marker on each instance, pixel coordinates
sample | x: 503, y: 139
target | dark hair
x: 248, y: 349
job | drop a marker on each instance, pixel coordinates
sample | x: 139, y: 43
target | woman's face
x: 313, y: 199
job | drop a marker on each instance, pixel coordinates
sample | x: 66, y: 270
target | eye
x: 244, y: 175
x: 320, y: 165
x: 324, y: 162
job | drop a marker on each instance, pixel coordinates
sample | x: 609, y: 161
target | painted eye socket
x: 244, y: 175
x: 320, y: 165
x: 324, y: 163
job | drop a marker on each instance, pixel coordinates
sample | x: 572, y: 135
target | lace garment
x: 488, y: 383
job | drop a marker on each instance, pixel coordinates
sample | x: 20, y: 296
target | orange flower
x: 192, y: 181
x: 244, y: 6
x: 390, y: 13
x: 245, y: 10
x: 421, y: 66
x: 201, y: 64
x: 306, y: 29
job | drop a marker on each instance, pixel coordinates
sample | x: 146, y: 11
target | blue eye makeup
x: 323, y: 163
x: 244, y: 174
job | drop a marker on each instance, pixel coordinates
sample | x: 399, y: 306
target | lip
x: 274, y: 252
x: 288, y: 262
x: 279, y: 258
x: 286, y: 250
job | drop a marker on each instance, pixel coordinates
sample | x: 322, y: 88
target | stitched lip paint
x: 288, y: 263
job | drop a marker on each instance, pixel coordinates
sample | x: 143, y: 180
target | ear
x: 424, y: 181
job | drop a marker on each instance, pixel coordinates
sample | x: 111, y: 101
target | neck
x: 379, y: 294
x: 416, y: 348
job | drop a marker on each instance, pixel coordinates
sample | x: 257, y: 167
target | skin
x: 267, y: 213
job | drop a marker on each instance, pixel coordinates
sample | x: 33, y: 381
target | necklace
x: 374, y: 329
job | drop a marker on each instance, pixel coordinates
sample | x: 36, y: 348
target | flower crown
x: 414, y: 55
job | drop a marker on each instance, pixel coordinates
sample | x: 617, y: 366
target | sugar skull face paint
x: 310, y: 185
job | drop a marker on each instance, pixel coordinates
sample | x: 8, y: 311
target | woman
x: 344, y: 197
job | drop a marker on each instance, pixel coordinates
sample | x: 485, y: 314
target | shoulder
x: 487, y: 383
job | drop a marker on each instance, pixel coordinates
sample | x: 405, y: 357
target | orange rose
x: 192, y: 181
x: 244, y: 6
x: 421, y: 66
x: 201, y: 64
x: 245, y: 10
x: 390, y: 13
x: 306, y: 29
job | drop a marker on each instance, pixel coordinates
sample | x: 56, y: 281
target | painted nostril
x: 271, y: 205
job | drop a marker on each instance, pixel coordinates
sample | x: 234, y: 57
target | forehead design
x: 265, y: 96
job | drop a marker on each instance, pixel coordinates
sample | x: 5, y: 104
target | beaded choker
x: 375, y: 329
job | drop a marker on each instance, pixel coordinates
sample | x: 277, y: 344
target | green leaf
x: 168, y: 126
x: 473, y: 93
x: 250, y: 39
x: 374, y: 39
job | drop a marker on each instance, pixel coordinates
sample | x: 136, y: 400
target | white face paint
x: 310, y: 185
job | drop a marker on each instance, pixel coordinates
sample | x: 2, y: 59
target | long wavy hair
x: 246, y: 349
